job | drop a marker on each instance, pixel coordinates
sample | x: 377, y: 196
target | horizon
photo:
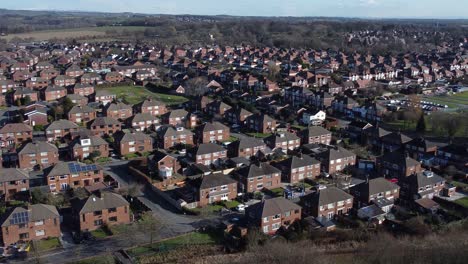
x: 353, y: 9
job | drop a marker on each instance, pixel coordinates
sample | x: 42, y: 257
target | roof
x: 281, y: 137
x: 328, y: 196
x: 315, y: 131
x: 143, y: 117
x: 33, y: 213
x: 38, y: 147
x: 62, y: 124
x: 257, y: 170
x: 12, y: 174
x: 427, y: 203
x: 15, y: 127
x: 400, y: 158
x: 298, y: 162
x: 169, y: 131
x: 129, y: 137
x: 374, y: 186
x: 177, y: 113
x: 214, y: 180
x: 207, y: 148
x: 81, y: 109
x: 423, y: 179
x: 336, y: 153
x: 71, y: 167
x: 273, y: 206
x: 118, y: 106
x: 104, y: 121
x: 106, y: 200
x: 212, y: 126
x: 95, y: 141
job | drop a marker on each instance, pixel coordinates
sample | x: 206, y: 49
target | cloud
x: 369, y: 2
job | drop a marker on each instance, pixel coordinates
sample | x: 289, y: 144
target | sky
x: 328, y: 8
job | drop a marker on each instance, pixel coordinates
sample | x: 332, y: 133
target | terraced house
x: 36, y: 155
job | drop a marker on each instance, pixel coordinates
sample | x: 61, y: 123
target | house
x: 66, y: 175
x: 327, y: 203
x: 316, y: 135
x: 78, y: 99
x: 129, y: 143
x: 237, y: 115
x: 373, y: 190
x: 90, y: 78
x: 36, y: 116
x: 336, y: 159
x: 61, y: 129
x: 247, y: 147
x: 81, y: 114
x: 179, y: 117
x: 151, y: 106
x: 106, y: 208
x: 143, y: 122
x: 169, y: 137
x: 452, y: 154
x: 425, y: 184
x: 64, y: 80
x: 421, y: 149
x: 13, y: 182
x: 260, y: 123
x: 49, y: 74
x: 16, y: 133
x: 207, y: 154
x: 38, y: 154
x: 395, y: 141
x: 356, y: 131
x: 397, y: 165
x: 272, y: 214
x: 103, y: 96
x: 102, y: 126
x: 53, y: 93
x: 82, y: 89
x: 296, y: 169
x: 82, y: 147
x: 164, y: 164
x: 217, y: 108
x: 315, y: 118
x: 35, y: 222
x: 21, y: 93
x: 255, y: 177
x: 37, y: 83
x: 113, y: 77
x: 216, y: 187
x: 118, y: 110
x: 212, y: 132
x: 283, y: 140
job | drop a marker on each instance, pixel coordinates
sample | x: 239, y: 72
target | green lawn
x: 100, y: 233
x: 105, y: 259
x: 231, y: 139
x: 103, y: 159
x: 180, y: 241
x: 463, y: 202
x: 259, y: 135
x: 278, y: 192
x: 459, y: 184
x: 136, y: 94
x: 47, y: 244
x: 231, y: 204
x: 212, y: 208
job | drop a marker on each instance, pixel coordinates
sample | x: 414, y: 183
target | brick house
x: 66, y: 175
x: 207, y: 154
x: 178, y: 117
x: 37, y: 83
x: 78, y: 99
x: 13, y: 182
x: 212, y: 132
x: 336, y: 159
x: 82, y: 147
x: 38, y: 221
x: 370, y: 191
x: 61, y: 129
x: 36, y: 116
x: 421, y: 149
x: 217, y: 108
x: 420, y: 185
x: 296, y: 169
x: 113, y: 77
x: 397, y: 165
x: 82, y: 89
x: 103, y: 96
x: 261, y: 123
x: 63, y: 80
x: 104, y: 125
x: 316, y: 135
x: 255, y: 178
x: 327, y: 203
x: 90, y: 78
x: 118, y: 110
x: 142, y: 122
x: 23, y: 92
x: 452, y: 154
x: 53, y: 93
x: 169, y: 137
x: 74, y: 71
x: 16, y: 133
x: 129, y: 143
x: 272, y: 214
x: 237, y: 115
x: 164, y: 164
x: 106, y: 208
x: 81, y: 114
x: 49, y: 74
x: 38, y: 154
x: 151, y: 106
x: 283, y: 140
x: 215, y: 187
x: 247, y: 147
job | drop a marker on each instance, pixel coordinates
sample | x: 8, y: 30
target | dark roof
x: 207, y: 148
x: 33, y: 213
x: 298, y: 162
x: 12, y: 174
x: 400, y: 158
x: 106, y: 200
x: 327, y: 196
x: 254, y: 170
x: 38, y: 147
x: 271, y: 207
x: 128, y: 137
x: 374, y: 186
x: 61, y: 125
x: 214, y: 180
x: 315, y: 131
x: 104, y: 121
x: 336, y: 153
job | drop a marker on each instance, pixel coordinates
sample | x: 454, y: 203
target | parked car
x: 241, y: 207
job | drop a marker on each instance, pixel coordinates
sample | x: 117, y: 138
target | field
x: 90, y: 32
x: 136, y: 94
x: 459, y: 100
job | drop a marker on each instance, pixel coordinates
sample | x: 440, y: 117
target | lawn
x: 100, y: 233
x: 259, y: 135
x: 105, y: 259
x: 231, y: 204
x: 136, y: 94
x: 47, y: 244
x: 180, y: 241
x: 459, y: 184
x: 210, y: 209
x: 463, y: 202
x: 278, y: 192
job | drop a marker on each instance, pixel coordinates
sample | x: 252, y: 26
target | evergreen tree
x: 421, y: 125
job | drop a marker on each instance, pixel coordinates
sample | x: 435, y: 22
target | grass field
x: 71, y: 33
x: 136, y: 94
x: 452, y: 101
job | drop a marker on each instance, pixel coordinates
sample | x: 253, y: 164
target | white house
x: 314, y: 118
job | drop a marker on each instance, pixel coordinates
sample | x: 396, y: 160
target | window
x: 276, y: 226
x: 40, y: 232
x: 277, y: 216
x: 265, y: 219
x: 112, y: 210
x: 24, y: 236
x: 287, y: 214
x: 113, y: 219
x: 39, y: 223
x: 98, y: 222
x: 265, y: 229
x: 96, y: 213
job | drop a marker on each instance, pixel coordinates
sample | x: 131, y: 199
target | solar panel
x: 71, y: 166
x: 19, y: 218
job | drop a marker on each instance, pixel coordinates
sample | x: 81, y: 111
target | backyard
x: 463, y: 202
x: 46, y: 244
x: 136, y: 94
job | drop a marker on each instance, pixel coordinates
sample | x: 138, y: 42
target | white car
x: 240, y: 208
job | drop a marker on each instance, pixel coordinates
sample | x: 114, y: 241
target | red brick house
x: 102, y: 126
x: 49, y: 74
x: 255, y: 178
x: 78, y: 99
x: 38, y: 221
x: 66, y: 175
x: 37, y: 83
x: 64, y: 80
x: 113, y: 77
x: 13, y: 182
x: 53, y: 93
x: 371, y: 190
x: 178, y: 117
x: 261, y: 123
x: 106, y: 208
x: 272, y: 214
x: 247, y: 147
x: 421, y: 185
x: 336, y: 159
x: 61, y: 129
x: 82, y: 89
x: 237, y: 115
x: 212, y: 132
x: 103, y: 96
x: 169, y: 137
x: 397, y: 164
x: 142, y: 122
x: 74, y: 71
x: 217, y: 108
x: 37, y: 154
x: 316, y: 135
x: 215, y: 187
x: 118, y: 110
x: 207, y: 154
x: 327, y: 203
x: 22, y: 92
x: 164, y: 164
x: 81, y: 114
x: 129, y: 143
x: 82, y: 147
x: 90, y: 78
x: 151, y: 106
x: 283, y: 140
x: 297, y: 169
x: 16, y: 133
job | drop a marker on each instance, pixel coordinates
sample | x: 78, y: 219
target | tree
x: 26, y: 100
x: 149, y: 225
x: 421, y: 126
x: 67, y: 105
x: 196, y: 86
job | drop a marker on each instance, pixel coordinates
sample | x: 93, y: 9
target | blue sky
x: 340, y: 8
